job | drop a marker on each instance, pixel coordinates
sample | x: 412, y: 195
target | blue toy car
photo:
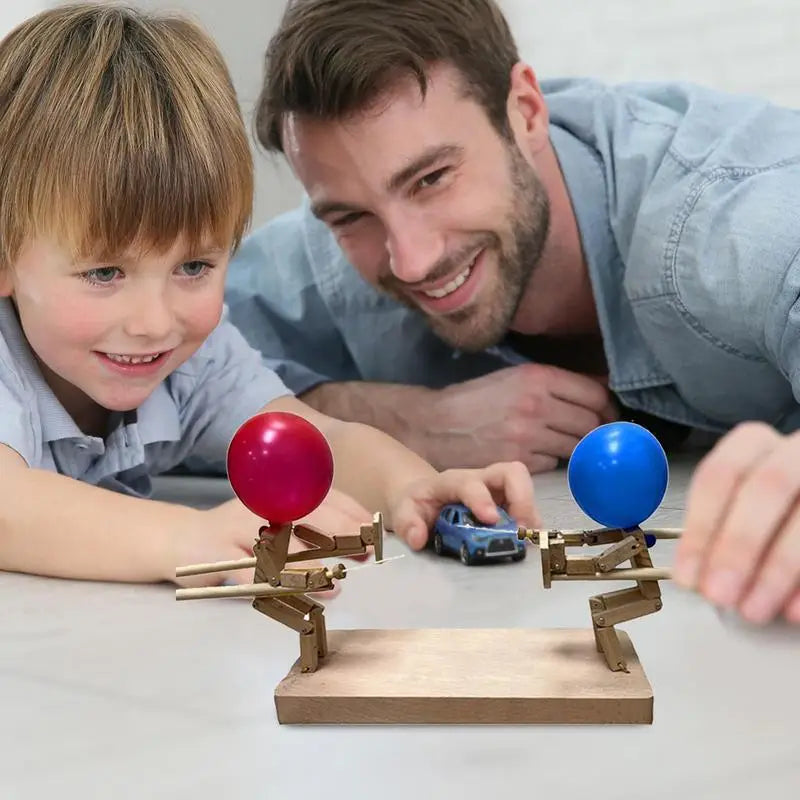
x: 457, y: 530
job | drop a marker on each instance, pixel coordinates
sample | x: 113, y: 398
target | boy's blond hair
x: 118, y: 128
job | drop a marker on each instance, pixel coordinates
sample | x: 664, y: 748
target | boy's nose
x: 150, y: 318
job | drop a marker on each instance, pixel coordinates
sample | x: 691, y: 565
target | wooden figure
x: 610, y: 608
x: 282, y: 593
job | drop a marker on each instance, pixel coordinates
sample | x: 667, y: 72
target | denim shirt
x: 688, y: 206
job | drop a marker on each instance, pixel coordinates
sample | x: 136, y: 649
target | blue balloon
x: 618, y: 474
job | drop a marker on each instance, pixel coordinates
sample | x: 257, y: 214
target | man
x: 642, y: 236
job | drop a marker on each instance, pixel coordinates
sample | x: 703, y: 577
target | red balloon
x: 280, y: 466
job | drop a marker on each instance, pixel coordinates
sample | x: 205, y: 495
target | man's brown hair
x: 118, y: 128
x: 332, y: 58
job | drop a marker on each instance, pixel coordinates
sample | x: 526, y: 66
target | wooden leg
x: 315, y: 614
x: 309, y: 652
x: 609, y: 644
x: 595, y: 605
x: 610, y: 609
x: 281, y: 611
x: 317, y: 617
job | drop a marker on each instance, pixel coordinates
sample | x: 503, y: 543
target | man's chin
x: 465, y: 337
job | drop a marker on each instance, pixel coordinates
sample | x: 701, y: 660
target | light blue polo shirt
x: 189, y: 419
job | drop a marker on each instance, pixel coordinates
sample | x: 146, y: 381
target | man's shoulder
x: 735, y: 254
x: 701, y: 127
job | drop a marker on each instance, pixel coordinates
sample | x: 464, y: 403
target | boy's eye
x: 195, y: 269
x: 101, y: 274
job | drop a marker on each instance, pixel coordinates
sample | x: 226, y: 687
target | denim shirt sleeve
x: 783, y: 326
x: 275, y: 300
x: 736, y: 272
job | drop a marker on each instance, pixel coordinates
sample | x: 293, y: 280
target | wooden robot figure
x: 618, y: 476
x: 609, y: 608
x: 281, y: 468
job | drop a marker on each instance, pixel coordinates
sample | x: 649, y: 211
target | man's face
x: 429, y: 203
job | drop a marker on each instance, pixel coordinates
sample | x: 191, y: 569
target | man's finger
x: 792, y: 610
x: 537, y: 463
x: 710, y: 494
x: 763, y: 499
x: 581, y: 390
x: 778, y: 577
x: 571, y: 422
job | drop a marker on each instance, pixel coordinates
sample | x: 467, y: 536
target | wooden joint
x: 618, y: 552
x: 581, y: 565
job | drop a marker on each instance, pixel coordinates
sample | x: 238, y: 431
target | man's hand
x: 228, y: 532
x: 481, y: 490
x: 741, y: 544
x: 531, y: 413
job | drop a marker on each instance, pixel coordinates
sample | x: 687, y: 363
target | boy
x: 125, y: 183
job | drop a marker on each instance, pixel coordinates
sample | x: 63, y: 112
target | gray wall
x: 741, y: 45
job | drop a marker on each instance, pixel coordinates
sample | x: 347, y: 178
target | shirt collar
x: 158, y: 418
x: 631, y: 364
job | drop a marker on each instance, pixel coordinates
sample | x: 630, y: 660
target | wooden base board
x: 466, y: 676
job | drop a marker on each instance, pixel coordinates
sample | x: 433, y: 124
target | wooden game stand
x: 461, y: 675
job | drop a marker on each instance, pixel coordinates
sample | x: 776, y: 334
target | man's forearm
x: 404, y: 412
x: 59, y: 527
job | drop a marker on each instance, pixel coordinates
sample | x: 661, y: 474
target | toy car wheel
x: 438, y: 547
x: 466, y: 558
x: 519, y: 556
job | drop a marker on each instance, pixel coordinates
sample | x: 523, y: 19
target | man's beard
x: 485, y: 324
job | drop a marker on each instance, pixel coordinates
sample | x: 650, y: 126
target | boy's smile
x: 105, y: 335
x: 135, y: 365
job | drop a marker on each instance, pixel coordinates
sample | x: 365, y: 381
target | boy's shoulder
x: 18, y: 369
x: 225, y: 371
x: 21, y: 426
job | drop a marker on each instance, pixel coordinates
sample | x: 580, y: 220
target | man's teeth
x: 449, y: 288
x: 132, y: 359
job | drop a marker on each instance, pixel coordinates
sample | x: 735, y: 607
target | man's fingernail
x: 686, y: 572
x: 723, y: 587
x: 759, y: 606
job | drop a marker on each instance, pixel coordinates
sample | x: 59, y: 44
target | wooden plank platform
x: 466, y: 676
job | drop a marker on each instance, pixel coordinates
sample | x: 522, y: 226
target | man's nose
x: 413, y: 247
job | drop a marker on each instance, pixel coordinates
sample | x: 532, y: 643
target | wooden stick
x: 659, y: 533
x: 633, y: 574
x: 245, y: 590
x: 219, y: 566
x: 664, y: 533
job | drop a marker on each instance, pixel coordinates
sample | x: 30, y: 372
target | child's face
x: 108, y: 333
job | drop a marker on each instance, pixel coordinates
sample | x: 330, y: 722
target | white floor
x: 120, y: 692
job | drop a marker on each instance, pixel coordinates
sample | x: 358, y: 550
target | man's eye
x: 431, y: 179
x: 347, y: 219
